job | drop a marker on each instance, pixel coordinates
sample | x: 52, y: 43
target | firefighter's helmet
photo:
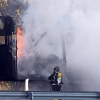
x: 56, y: 69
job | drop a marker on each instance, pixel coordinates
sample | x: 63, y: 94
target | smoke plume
x: 45, y: 20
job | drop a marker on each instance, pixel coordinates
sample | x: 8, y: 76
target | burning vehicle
x: 9, y: 52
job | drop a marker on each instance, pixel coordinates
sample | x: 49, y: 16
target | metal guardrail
x: 49, y: 95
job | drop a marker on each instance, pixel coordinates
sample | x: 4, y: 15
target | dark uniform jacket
x: 53, y: 79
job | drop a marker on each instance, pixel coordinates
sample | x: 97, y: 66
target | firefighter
x: 55, y: 80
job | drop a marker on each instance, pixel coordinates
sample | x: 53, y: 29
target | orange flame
x: 19, y: 42
x: 19, y: 31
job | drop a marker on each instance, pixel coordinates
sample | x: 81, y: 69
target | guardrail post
x: 31, y: 96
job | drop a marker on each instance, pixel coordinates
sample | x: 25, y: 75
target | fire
x: 19, y: 42
x: 19, y: 31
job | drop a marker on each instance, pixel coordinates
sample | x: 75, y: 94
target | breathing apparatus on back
x: 59, y: 75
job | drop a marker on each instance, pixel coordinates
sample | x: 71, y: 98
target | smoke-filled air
x: 44, y: 24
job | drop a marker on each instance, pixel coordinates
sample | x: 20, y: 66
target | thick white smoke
x: 84, y: 53
x: 46, y: 16
x: 79, y: 21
